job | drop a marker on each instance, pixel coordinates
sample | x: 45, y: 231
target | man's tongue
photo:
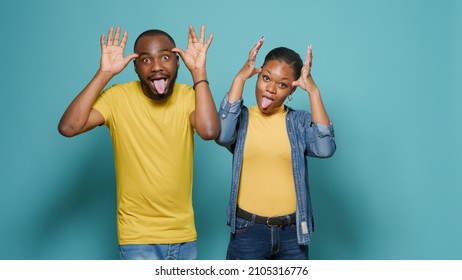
x: 266, y: 102
x: 160, y: 86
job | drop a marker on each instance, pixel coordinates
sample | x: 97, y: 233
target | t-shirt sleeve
x: 191, y: 100
x: 102, y: 105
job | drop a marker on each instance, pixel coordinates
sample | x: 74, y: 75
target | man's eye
x: 165, y: 58
x: 146, y: 60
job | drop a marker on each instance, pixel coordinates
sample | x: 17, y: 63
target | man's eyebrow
x: 166, y: 50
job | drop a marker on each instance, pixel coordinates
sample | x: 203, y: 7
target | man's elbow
x: 209, y: 134
x: 66, y: 130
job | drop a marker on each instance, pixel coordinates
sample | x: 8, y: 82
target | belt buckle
x: 277, y: 221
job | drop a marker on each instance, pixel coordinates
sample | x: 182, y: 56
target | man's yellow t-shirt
x: 153, y: 150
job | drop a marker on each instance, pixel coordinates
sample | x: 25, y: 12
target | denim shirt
x: 306, y: 139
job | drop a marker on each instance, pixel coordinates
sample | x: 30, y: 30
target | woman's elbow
x: 225, y: 140
x: 326, y: 152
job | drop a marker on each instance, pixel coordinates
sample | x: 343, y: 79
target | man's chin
x: 157, y: 96
x: 160, y: 97
x: 151, y: 93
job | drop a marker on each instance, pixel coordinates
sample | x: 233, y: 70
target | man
x: 151, y: 122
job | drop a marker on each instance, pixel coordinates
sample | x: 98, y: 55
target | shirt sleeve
x: 229, y: 116
x: 321, y: 140
x: 102, y: 105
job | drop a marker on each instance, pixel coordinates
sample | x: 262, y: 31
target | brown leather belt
x: 273, y: 221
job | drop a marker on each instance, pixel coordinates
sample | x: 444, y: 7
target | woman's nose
x: 271, y: 88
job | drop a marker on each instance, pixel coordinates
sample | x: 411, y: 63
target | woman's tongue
x: 160, y: 85
x: 266, y: 102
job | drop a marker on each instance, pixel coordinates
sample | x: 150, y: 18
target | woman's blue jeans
x: 253, y: 241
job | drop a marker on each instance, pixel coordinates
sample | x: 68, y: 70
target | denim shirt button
x: 223, y: 115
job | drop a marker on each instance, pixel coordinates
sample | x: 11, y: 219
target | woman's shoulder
x: 298, y: 112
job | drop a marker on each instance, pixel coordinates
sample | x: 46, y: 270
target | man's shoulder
x: 180, y: 87
x: 122, y: 91
x: 183, y: 92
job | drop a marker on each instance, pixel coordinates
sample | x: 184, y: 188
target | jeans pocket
x: 242, y: 225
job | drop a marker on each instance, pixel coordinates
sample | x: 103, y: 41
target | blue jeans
x: 181, y: 251
x: 254, y: 241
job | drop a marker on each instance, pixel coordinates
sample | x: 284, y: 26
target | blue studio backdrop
x: 389, y: 73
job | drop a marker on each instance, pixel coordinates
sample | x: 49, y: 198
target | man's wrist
x: 199, y: 75
x: 104, y: 74
x: 203, y: 81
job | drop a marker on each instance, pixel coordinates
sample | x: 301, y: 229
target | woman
x: 269, y: 211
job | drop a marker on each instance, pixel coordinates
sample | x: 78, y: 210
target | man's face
x: 157, y: 66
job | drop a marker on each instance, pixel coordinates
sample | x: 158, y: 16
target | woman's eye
x: 283, y: 85
x: 265, y: 78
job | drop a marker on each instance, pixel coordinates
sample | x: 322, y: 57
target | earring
x: 290, y: 97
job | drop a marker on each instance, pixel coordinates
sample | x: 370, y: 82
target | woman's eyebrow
x: 269, y: 72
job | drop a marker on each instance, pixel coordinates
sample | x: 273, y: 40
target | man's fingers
x: 131, y: 57
x: 179, y: 51
x: 209, y: 41
x: 117, y: 36
x: 102, y: 41
x: 202, y: 33
x: 192, y: 34
x: 124, y: 39
x: 109, y: 36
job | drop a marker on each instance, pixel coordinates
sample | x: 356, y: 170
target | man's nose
x: 156, y: 66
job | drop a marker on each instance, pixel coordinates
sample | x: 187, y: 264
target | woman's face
x: 274, y: 84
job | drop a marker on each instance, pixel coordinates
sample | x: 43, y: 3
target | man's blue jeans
x: 181, y: 251
x: 254, y: 241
